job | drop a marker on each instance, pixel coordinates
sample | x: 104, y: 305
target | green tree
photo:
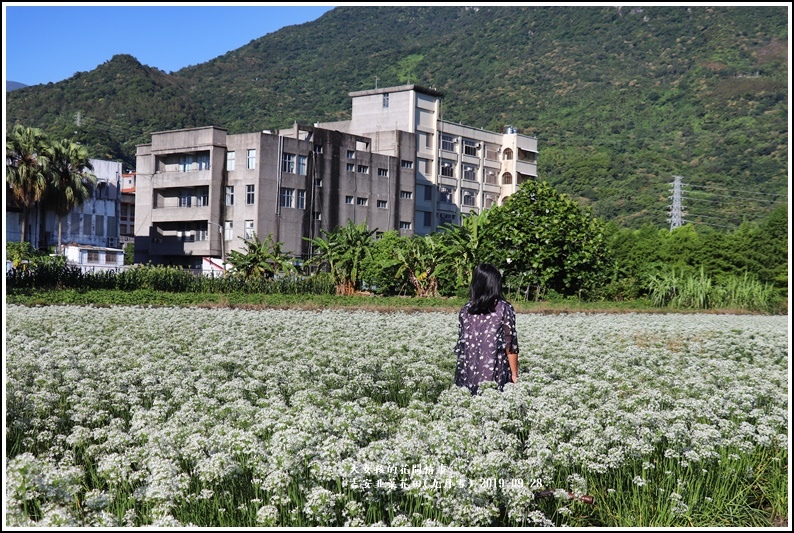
x: 386, y: 280
x: 420, y: 260
x: 129, y: 253
x: 71, y: 183
x: 260, y: 259
x: 26, y: 161
x: 544, y: 240
x: 343, y: 251
x: 463, y: 246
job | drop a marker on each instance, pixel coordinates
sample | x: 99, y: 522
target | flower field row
x: 129, y: 416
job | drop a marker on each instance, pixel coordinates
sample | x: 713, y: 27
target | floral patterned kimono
x: 483, y: 340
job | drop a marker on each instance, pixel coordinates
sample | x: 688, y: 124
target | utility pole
x: 676, y: 210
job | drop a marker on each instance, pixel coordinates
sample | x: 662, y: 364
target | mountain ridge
x: 620, y: 99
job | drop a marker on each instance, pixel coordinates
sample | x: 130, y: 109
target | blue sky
x: 45, y: 43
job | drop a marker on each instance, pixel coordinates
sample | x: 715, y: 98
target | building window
x: 202, y: 197
x: 351, y: 167
x: 445, y: 194
x: 251, y: 158
x: 405, y: 225
x: 185, y: 163
x: 318, y: 148
x: 469, y: 197
x: 487, y: 200
x: 229, y: 160
x: 249, y: 195
x: 301, y: 165
x: 362, y: 201
x: 92, y: 256
x: 447, y: 169
x: 203, y: 161
x: 351, y: 154
x: 287, y: 197
x: 288, y: 163
x: 406, y: 195
x: 490, y: 176
x: 228, y: 230
x: 469, y: 147
x: 507, y: 179
x: 348, y: 199
x: 429, y: 141
x: 230, y: 195
x: 446, y: 218
x: 507, y: 155
x: 491, y: 152
x: 469, y: 173
x: 448, y: 143
x: 363, y: 169
x: 301, y: 199
x: 406, y: 164
x: 201, y: 231
x: 318, y: 182
x: 184, y: 199
x: 383, y: 172
x: 185, y: 232
x: 427, y: 217
x: 428, y: 193
x: 382, y: 204
x: 385, y: 100
x: 249, y: 229
x: 316, y: 215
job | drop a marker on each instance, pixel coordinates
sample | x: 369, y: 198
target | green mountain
x: 620, y: 99
x: 13, y: 85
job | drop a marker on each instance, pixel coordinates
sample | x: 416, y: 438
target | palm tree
x: 344, y: 250
x: 26, y: 162
x: 70, y: 182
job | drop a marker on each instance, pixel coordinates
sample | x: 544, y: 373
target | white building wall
x: 94, y: 223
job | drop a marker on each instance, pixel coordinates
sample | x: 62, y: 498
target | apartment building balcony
x: 527, y: 167
x: 467, y: 209
x: 178, y: 246
x: 492, y: 188
x: 169, y: 179
x: 470, y: 160
x: 187, y: 214
x: 447, y: 180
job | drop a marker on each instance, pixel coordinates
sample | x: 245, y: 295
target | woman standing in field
x: 487, y: 347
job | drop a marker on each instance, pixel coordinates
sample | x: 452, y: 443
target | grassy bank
x: 148, y: 297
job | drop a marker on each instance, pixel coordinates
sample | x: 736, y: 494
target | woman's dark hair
x: 485, y: 289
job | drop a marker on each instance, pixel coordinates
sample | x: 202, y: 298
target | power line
x: 746, y: 197
x: 714, y: 225
x: 731, y: 190
x: 706, y: 216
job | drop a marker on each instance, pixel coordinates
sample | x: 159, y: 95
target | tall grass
x: 676, y: 289
x: 160, y: 278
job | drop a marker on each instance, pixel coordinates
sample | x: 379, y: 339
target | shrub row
x: 159, y: 278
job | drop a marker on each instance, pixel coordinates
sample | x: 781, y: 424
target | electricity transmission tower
x: 676, y: 210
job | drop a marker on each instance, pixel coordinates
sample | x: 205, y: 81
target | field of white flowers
x: 129, y: 416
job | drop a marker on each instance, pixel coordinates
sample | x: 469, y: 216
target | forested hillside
x: 620, y: 99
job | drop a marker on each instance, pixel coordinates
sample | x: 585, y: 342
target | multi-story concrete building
x: 458, y: 168
x: 127, y: 213
x: 200, y: 191
x: 95, y: 223
x: 394, y: 165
